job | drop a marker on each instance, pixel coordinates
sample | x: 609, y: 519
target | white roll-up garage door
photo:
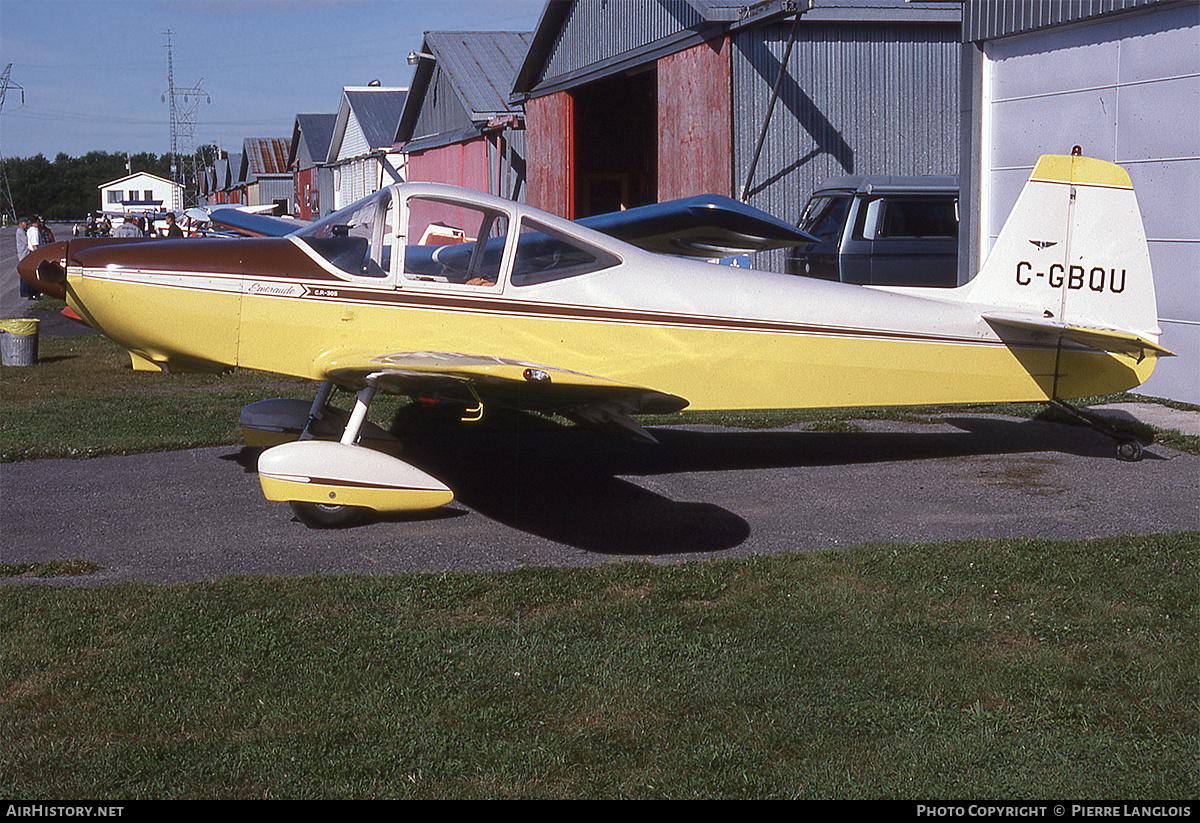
x: 1124, y: 88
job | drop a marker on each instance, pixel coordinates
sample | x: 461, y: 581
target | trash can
x: 19, y: 341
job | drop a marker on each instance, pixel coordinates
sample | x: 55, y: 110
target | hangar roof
x: 575, y: 43
x: 375, y: 110
x: 479, y: 67
x: 316, y: 130
x: 264, y: 156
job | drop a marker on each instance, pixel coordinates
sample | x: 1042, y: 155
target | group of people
x: 31, y: 233
x: 133, y: 226
x: 96, y: 225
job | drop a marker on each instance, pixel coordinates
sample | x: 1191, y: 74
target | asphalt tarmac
x: 571, y: 498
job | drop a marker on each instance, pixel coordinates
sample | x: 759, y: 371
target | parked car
x: 881, y: 231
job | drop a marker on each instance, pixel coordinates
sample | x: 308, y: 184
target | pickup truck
x: 881, y: 231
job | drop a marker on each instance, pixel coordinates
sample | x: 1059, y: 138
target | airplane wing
x: 475, y: 379
x: 255, y: 225
x: 704, y: 226
x: 1109, y: 340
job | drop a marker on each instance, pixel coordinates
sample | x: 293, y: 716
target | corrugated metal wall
x: 856, y: 99
x: 441, y: 112
x: 506, y: 156
x: 989, y: 19
x: 459, y: 164
x: 271, y: 189
x: 594, y: 32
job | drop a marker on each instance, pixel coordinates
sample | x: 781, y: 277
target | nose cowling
x: 45, y: 269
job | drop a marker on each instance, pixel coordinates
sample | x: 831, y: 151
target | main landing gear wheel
x: 324, y: 516
x: 1129, y: 450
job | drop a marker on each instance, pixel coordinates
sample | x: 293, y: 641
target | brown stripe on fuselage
x: 503, y: 304
x: 279, y: 260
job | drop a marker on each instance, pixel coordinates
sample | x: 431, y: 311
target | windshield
x: 355, y: 220
x: 356, y: 239
x: 825, y: 216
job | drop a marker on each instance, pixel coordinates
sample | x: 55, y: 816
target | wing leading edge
x: 702, y: 226
x: 477, y: 379
x: 255, y: 225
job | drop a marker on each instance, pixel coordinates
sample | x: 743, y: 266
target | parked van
x: 881, y: 231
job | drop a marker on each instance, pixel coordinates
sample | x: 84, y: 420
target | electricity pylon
x: 7, y: 209
x: 185, y: 168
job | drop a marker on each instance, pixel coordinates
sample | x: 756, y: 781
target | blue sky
x: 94, y: 73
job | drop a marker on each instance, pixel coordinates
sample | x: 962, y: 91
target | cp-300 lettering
x: 1094, y: 278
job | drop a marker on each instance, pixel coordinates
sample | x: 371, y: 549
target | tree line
x: 67, y: 189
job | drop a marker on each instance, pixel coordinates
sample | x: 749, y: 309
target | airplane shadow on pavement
x: 566, y: 485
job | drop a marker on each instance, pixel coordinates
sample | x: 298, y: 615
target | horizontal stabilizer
x: 1109, y: 340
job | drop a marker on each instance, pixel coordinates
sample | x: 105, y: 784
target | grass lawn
x: 979, y: 670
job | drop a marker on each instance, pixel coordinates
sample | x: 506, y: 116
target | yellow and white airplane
x: 439, y: 292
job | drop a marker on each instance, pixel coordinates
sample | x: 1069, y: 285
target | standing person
x: 173, y: 229
x: 35, y: 239
x: 45, y: 236
x: 33, y: 234
x: 128, y: 228
x: 22, y: 250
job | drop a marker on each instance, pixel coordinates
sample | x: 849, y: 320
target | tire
x: 1129, y: 450
x: 322, y: 516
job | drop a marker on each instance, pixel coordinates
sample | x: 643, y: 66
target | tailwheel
x: 324, y: 516
x: 1129, y: 449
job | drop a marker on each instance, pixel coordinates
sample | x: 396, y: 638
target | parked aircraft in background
x: 504, y: 305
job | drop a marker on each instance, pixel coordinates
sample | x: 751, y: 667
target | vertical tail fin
x: 1072, y: 257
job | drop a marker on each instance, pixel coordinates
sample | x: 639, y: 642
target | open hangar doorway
x: 616, y: 143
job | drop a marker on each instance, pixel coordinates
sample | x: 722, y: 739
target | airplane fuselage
x: 721, y: 337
